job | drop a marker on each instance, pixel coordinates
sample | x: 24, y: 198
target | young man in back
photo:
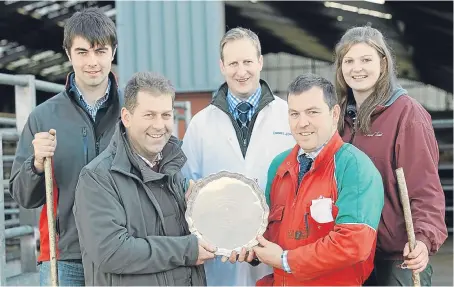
x: 84, y: 117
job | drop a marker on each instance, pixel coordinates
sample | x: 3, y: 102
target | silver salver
x: 228, y: 210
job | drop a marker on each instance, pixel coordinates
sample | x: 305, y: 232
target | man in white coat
x: 241, y: 131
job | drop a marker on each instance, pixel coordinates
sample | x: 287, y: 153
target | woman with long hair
x: 394, y: 130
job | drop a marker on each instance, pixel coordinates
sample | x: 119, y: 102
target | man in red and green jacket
x: 325, y: 198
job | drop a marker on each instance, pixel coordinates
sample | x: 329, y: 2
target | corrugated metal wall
x: 280, y: 69
x: 178, y: 39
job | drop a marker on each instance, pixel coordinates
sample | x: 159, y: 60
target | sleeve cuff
x: 32, y: 165
x: 193, y: 253
x: 285, y: 262
x: 254, y: 262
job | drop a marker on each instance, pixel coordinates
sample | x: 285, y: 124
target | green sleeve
x: 360, y: 188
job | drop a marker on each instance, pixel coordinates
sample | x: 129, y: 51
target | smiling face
x: 149, y: 126
x: 361, y: 68
x: 241, y: 67
x: 91, y: 64
x: 311, y: 121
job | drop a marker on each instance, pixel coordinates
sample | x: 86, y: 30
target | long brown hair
x: 384, y: 85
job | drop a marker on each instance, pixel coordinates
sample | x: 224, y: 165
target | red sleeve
x: 346, y: 245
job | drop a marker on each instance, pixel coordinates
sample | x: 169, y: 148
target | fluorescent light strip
x: 376, y: 1
x: 355, y: 9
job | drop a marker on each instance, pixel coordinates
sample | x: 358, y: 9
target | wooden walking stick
x: 51, y: 220
x: 405, y: 201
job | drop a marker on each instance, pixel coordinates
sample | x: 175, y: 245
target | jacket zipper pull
x: 57, y: 225
x: 306, y: 224
x: 84, y: 135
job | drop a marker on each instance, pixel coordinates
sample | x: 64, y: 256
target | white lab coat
x: 211, y: 145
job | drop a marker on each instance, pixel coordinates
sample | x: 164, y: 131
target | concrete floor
x: 442, y: 264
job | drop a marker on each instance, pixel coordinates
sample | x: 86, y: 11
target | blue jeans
x: 69, y: 273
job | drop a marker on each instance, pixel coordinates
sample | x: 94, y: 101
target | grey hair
x: 306, y: 82
x: 146, y: 81
x: 238, y: 34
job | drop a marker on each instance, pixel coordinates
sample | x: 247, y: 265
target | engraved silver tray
x: 228, y: 210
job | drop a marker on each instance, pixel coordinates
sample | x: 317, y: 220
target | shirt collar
x: 80, y: 97
x: 312, y: 155
x: 155, y: 161
x: 233, y: 101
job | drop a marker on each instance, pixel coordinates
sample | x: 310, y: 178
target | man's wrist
x: 425, y: 240
x: 284, y: 262
x: 34, y: 169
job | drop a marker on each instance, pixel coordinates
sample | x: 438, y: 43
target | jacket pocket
x: 316, y: 230
x: 268, y: 280
x: 274, y: 222
x: 181, y: 276
x: 135, y: 280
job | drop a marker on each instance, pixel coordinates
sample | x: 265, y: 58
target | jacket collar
x: 112, y: 77
x: 129, y: 163
x: 220, y: 98
x: 396, y: 93
x: 324, y: 157
x: 114, y: 93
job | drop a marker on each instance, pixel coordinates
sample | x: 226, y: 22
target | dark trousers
x: 387, y: 273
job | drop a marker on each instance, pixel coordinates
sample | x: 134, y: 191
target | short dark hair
x: 306, y: 82
x: 146, y: 81
x: 91, y: 24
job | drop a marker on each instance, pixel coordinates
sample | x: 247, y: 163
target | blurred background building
x: 180, y: 39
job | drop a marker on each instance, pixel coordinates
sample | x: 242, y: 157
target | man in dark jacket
x: 129, y: 206
x: 84, y: 116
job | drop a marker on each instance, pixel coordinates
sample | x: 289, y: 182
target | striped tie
x: 243, y: 110
x: 305, y: 165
